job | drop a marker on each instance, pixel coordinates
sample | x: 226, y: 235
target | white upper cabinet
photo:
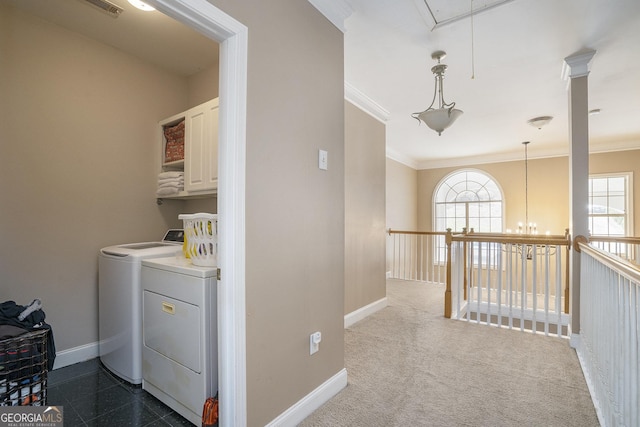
x: 201, y: 148
x: 192, y: 148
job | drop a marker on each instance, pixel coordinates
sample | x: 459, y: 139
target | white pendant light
x: 445, y: 114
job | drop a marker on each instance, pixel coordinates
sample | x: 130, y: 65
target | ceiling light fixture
x: 539, y: 122
x: 442, y: 117
x: 141, y: 5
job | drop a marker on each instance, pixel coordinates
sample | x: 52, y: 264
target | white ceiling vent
x: 105, y: 6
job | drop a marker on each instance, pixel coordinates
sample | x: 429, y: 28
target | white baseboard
x: 305, y: 406
x: 75, y: 355
x: 574, y: 339
x: 361, y: 313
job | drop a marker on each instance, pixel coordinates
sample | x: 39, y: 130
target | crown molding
x: 490, y: 158
x: 595, y: 147
x: 336, y: 11
x: 401, y: 158
x: 366, y: 104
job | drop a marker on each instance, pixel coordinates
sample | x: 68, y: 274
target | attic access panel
x: 443, y: 12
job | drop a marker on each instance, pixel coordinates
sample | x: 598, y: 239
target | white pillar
x: 576, y: 70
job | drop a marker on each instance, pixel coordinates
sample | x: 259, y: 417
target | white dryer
x: 120, y: 302
x: 180, y: 334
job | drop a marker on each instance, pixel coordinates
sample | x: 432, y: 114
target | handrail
x: 423, y: 233
x: 615, y: 239
x: 511, y: 238
x: 614, y: 262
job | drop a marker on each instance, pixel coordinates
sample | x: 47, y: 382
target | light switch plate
x: 314, y: 342
x: 323, y: 160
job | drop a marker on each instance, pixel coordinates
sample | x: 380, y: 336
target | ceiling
x: 504, y: 62
x: 504, y: 68
x: 151, y: 36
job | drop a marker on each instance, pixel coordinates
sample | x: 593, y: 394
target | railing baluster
x: 510, y: 277
x: 559, y: 295
x: 534, y: 287
x: 523, y: 285
x: 547, y: 267
x: 478, y: 281
x: 499, y: 284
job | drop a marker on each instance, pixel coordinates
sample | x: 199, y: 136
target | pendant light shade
x: 445, y: 114
x: 439, y: 119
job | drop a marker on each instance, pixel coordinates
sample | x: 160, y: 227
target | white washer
x: 120, y: 302
x: 179, y: 324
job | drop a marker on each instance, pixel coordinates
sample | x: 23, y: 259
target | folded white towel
x: 171, y: 185
x: 172, y: 174
x: 168, y: 191
x: 161, y: 180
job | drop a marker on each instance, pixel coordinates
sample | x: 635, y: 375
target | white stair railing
x: 609, y: 344
x: 417, y: 255
x: 627, y: 248
x: 513, y: 281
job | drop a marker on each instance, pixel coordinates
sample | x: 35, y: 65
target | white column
x: 576, y: 71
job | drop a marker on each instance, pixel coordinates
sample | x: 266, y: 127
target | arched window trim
x: 447, y: 177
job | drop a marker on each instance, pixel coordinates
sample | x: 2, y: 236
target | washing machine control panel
x: 174, y: 235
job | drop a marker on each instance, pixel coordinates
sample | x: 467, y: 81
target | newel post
x: 447, y: 292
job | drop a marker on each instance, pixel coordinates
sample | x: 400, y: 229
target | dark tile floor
x: 91, y: 396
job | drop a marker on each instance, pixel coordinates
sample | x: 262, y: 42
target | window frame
x: 439, y: 244
x: 435, y: 203
x: 628, y: 200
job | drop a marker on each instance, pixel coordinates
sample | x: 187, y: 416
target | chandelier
x: 528, y: 228
x: 442, y: 117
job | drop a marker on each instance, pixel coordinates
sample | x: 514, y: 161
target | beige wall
x: 548, y: 188
x: 402, y: 196
x: 402, y: 202
x: 80, y: 152
x: 295, y: 211
x: 364, y: 209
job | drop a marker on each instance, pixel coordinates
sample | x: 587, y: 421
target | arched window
x: 468, y: 199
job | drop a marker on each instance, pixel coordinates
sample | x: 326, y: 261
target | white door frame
x: 233, y: 37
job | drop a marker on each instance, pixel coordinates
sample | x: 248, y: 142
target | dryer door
x: 172, y: 328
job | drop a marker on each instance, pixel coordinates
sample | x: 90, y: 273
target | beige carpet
x: 409, y: 366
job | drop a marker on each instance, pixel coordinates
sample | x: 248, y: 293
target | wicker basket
x: 23, y: 370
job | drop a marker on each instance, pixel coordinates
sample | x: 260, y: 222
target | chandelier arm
x: 435, y: 93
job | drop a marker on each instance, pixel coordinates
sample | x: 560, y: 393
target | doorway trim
x: 207, y: 19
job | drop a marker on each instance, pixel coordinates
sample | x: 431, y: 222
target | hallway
x: 408, y: 365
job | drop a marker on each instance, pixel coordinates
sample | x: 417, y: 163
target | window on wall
x: 610, y: 205
x: 468, y: 199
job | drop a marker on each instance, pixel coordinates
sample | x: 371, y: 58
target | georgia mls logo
x: 54, y: 414
x: 31, y: 416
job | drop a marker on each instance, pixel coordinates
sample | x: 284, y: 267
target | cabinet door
x: 201, y: 148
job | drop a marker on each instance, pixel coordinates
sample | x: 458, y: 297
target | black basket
x: 23, y: 370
